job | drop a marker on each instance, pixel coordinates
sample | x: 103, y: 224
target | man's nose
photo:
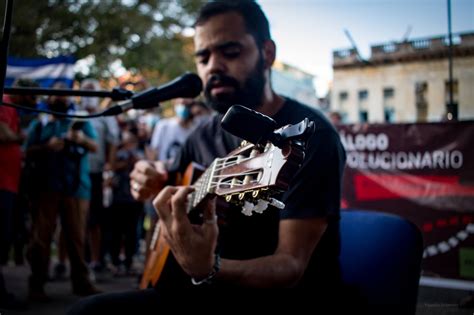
x: 216, y: 64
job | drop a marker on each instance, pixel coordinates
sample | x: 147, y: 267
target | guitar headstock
x: 250, y: 175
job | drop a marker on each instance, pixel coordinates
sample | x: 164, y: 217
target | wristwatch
x: 208, y: 279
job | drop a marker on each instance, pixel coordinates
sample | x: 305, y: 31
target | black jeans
x: 7, y: 200
x: 209, y: 300
x: 130, y: 302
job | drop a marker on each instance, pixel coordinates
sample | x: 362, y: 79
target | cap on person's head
x: 25, y: 82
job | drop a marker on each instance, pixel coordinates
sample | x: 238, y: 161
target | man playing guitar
x: 297, y: 246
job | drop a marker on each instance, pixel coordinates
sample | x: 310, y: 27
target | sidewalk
x: 60, y: 291
x: 431, y: 301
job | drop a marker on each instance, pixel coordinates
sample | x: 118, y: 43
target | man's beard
x: 249, y: 95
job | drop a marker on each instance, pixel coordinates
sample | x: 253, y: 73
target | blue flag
x: 45, y: 71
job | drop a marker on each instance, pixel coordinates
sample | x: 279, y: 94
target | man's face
x: 229, y: 63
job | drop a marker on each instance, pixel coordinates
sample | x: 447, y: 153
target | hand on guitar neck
x: 193, y: 246
x: 147, y: 179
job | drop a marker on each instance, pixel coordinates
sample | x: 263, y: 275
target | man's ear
x: 269, y: 53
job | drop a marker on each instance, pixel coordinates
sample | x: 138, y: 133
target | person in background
x: 170, y: 133
x: 103, y: 160
x: 10, y: 161
x: 125, y: 210
x: 335, y: 118
x: 168, y: 137
x: 24, y: 197
x: 59, y: 147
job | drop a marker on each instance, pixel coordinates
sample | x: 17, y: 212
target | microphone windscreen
x: 248, y: 124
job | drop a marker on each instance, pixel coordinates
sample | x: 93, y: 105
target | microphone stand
x: 116, y: 94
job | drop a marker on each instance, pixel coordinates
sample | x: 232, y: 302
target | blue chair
x: 381, y: 258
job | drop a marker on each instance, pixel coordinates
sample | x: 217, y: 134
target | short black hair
x: 255, y: 20
x: 24, y: 82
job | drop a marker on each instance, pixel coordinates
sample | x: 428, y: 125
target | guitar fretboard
x: 201, y: 187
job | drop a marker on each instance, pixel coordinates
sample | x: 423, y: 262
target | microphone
x: 258, y: 128
x: 187, y: 85
x: 248, y: 124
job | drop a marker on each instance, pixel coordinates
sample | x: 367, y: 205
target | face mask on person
x: 182, y: 111
x: 89, y: 102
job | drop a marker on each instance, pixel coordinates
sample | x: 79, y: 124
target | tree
x: 145, y: 35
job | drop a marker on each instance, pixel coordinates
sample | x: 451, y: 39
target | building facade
x: 295, y: 83
x: 405, y: 82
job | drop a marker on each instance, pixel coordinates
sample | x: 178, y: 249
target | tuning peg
x: 241, y: 196
x: 228, y: 198
x: 248, y: 208
x: 261, y: 206
x: 255, y: 193
x: 277, y: 203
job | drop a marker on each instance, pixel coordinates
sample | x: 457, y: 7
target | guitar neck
x: 203, y: 187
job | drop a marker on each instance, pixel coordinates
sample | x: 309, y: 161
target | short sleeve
x: 112, y: 134
x: 315, y: 189
x: 89, y: 131
x: 157, y: 134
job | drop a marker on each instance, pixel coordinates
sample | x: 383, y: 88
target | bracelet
x: 212, y: 274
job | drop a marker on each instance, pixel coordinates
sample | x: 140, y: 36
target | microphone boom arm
x: 116, y: 94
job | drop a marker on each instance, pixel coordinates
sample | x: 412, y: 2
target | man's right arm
x: 147, y: 179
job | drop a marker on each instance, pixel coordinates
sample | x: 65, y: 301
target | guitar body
x: 159, y: 249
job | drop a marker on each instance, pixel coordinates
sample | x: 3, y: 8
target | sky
x: 307, y: 31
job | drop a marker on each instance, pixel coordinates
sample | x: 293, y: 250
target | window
x: 343, y: 96
x: 389, y: 105
x: 421, y: 93
x: 388, y: 93
x: 343, y: 100
x: 389, y: 115
x: 363, y: 99
x: 363, y: 95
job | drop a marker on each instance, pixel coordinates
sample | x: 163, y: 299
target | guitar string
x: 231, y: 163
x: 252, y: 172
x: 202, y: 181
x: 221, y: 163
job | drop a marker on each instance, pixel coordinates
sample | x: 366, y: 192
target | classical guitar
x: 249, y: 177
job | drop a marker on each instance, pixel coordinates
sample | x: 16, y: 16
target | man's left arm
x: 297, y: 240
x: 312, y: 200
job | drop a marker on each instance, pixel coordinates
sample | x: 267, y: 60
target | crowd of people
x: 56, y: 173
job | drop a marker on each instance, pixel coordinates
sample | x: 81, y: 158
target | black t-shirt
x: 313, y: 192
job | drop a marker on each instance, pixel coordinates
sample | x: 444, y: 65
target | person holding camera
x: 59, y: 147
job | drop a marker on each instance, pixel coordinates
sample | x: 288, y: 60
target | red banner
x: 425, y: 173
